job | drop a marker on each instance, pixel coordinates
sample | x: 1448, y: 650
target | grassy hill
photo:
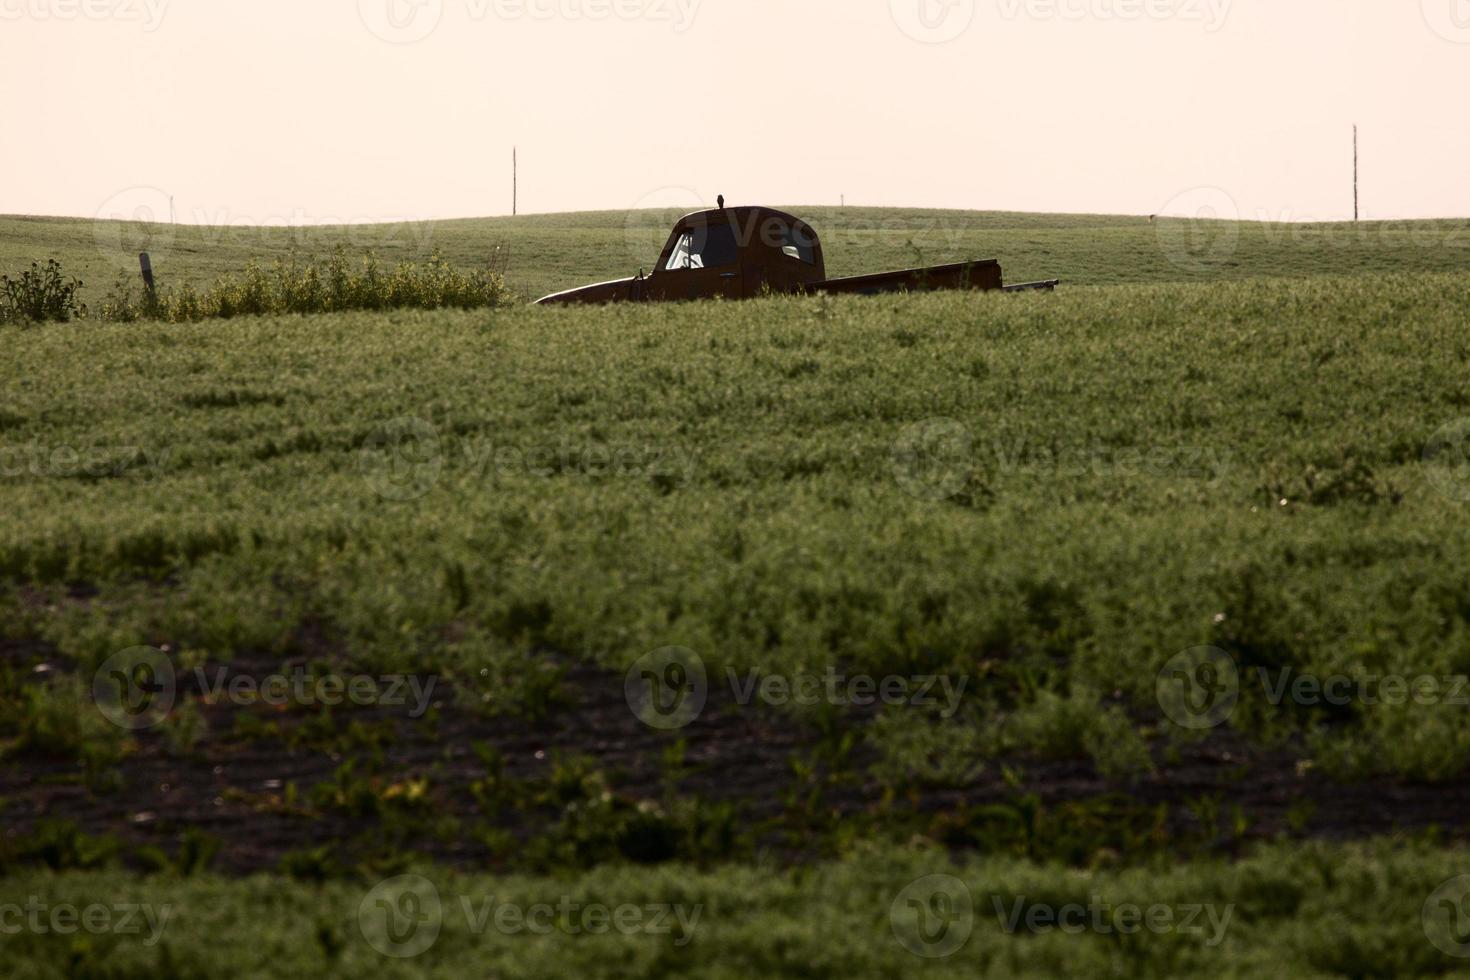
x: 936, y: 572
x: 545, y: 253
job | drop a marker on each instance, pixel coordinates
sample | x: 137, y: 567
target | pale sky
x: 314, y: 111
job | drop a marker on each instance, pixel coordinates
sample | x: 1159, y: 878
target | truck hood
x: 599, y: 292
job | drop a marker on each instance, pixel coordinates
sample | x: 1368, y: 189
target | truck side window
x: 798, y: 246
x: 704, y: 248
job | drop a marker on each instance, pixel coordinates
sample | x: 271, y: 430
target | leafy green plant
x: 59, y: 718
x: 39, y: 294
x: 196, y: 853
x: 304, y: 285
x: 59, y: 845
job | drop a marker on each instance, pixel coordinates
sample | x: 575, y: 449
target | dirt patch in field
x: 268, y: 783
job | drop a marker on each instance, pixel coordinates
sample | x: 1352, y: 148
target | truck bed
x: 983, y: 274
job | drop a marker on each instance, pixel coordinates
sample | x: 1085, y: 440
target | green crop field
x: 545, y: 253
x: 1120, y: 631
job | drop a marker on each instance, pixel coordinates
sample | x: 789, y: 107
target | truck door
x: 704, y: 263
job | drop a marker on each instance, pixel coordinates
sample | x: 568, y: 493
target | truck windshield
x: 704, y: 248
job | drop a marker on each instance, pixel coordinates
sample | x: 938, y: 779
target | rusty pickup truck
x: 744, y: 252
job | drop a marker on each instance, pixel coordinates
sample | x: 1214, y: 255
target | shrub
x: 309, y: 286
x: 293, y: 286
x: 40, y: 294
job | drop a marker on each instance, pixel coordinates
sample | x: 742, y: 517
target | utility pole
x: 1355, y: 172
x: 515, y: 181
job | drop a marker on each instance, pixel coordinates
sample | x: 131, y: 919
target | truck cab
x: 729, y: 253
x: 737, y: 253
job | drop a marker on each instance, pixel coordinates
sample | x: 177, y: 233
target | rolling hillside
x: 544, y: 253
